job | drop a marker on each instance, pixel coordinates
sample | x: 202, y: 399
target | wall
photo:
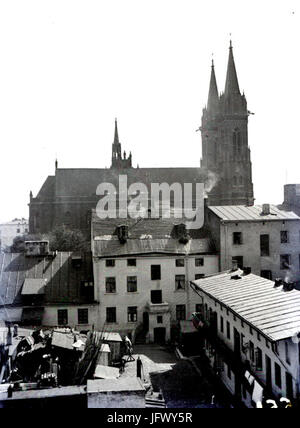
x: 122, y: 299
x: 111, y: 400
x: 8, y: 231
x: 250, y: 334
x: 50, y: 316
x: 250, y: 248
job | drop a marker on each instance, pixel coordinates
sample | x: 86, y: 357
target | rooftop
x: 253, y: 213
x: 115, y: 385
x: 61, y: 280
x: 146, y: 236
x: 270, y: 310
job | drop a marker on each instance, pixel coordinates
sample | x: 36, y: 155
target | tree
x: 63, y: 239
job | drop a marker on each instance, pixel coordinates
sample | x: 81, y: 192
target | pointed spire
x: 116, y: 138
x: 232, y: 84
x: 213, y: 96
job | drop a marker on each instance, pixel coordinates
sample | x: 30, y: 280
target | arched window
x: 236, y: 142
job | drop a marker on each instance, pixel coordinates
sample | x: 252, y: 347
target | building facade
x: 48, y: 288
x: 141, y: 280
x: 225, y: 150
x: 262, y: 237
x: 251, y: 343
x: 10, y: 230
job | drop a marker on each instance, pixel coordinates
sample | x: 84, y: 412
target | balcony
x: 158, y: 308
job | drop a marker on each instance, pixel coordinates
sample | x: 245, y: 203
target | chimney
x: 234, y: 265
x: 122, y: 233
x: 247, y: 270
x: 266, y: 209
x: 278, y: 282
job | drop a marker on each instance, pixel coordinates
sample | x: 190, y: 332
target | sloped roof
x: 253, y: 213
x: 63, y: 280
x: 272, y: 311
x: 33, y: 286
x: 146, y: 236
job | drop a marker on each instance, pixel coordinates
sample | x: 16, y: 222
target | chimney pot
x: 266, y: 209
x: 234, y: 265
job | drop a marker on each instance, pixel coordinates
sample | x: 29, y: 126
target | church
x: 68, y: 197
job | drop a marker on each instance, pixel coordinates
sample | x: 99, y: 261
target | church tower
x: 225, y: 151
x: 117, y: 160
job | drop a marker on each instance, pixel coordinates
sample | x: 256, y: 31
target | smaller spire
x: 56, y: 164
x: 213, y: 95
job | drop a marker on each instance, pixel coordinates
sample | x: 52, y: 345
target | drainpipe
x: 187, y: 282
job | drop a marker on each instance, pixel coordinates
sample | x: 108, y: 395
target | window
x: 132, y: 314
x: 258, y: 359
x: 131, y: 284
x: 131, y: 262
x: 159, y: 319
x: 83, y: 316
x: 155, y: 272
x: 251, y: 351
x: 228, y: 372
x: 179, y: 262
x: 287, y: 353
x: 180, y: 313
x: 278, y: 375
x: 266, y: 274
x: 222, y: 324
x: 284, y: 237
x: 285, y: 261
x: 199, y: 308
x: 156, y: 296
x: 258, y: 336
x: 18, y: 230
x: 202, y: 275
x: 239, y: 260
x: 199, y: 262
x: 228, y: 329
x: 110, y: 263
x: 264, y: 245
x: 237, y: 238
x: 111, y: 315
x: 236, y: 142
x: 179, y: 282
x: 110, y: 284
x: 62, y: 316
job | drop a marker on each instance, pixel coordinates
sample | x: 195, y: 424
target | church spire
x: 213, y: 95
x: 116, y: 138
x: 232, y: 84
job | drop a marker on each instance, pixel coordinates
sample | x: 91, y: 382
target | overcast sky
x: 68, y: 68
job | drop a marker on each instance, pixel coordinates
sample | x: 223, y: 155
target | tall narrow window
x: 132, y: 314
x: 285, y: 261
x: 110, y: 285
x: 111, y: 315
x: 179, y: 282
x: 284, y: 237
x: 278, y: 375
x: 264, y: 245
x: 155, y: 272
x: 62, y: 316
x: 258, y: 359
x: 228, y: 330
x: 83, y: 316
x: 131, y: 284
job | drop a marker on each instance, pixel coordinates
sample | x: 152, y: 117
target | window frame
x: 111, y: 310
x: 83, y: 316
x: 155, y: 272
x: 178, y: 282
x: 132, y: 282
x: 132, y: 311
x: 107, y: 291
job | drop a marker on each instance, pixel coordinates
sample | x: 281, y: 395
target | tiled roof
x: 254, y: 213
x: 63, y: 280
x: 270, y: 310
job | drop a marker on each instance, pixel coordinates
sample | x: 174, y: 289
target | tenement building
x: 41, y: 287
x: 68, y: 196
x: 142, y: 268
x: 262, y: 237
x: 248, y: 327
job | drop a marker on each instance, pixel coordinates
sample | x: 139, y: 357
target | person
x: 122, y: 366
x: 139, y: 368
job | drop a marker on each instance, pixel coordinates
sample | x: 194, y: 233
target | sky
x: 69, y: 67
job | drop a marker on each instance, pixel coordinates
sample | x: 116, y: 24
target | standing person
x: 139, y: 368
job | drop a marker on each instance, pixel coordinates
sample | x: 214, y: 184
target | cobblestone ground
x: 180, y: 383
